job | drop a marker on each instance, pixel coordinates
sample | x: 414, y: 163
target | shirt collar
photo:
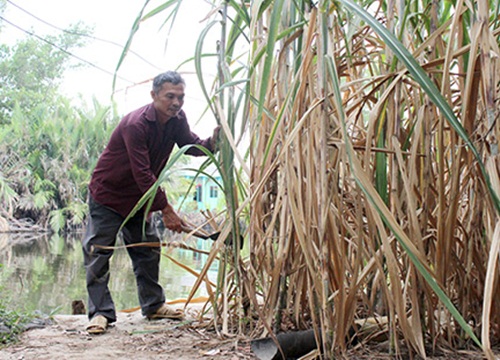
x: 150, y: 113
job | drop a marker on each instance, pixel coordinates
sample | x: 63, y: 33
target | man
x: 131, y: 163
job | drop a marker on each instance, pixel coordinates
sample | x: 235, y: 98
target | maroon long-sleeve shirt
x: 137, y: 151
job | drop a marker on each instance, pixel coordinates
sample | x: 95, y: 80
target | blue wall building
x: 205, y: 191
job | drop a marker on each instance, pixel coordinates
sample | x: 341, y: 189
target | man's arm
x: 185, y: 136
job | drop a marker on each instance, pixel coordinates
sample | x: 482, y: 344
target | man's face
x: 169, y: 100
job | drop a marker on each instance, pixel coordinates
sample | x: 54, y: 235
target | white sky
x: 112, y: 20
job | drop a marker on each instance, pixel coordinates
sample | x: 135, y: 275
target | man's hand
x: 215, y: 138
x: 171, y: 220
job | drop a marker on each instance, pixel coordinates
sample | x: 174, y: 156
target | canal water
x: 45, y: 273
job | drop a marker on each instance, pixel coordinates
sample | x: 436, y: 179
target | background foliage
x: 49, y: 144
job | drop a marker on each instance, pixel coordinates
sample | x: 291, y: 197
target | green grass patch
x: 12, y: 322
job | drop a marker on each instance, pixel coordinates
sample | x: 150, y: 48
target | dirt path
x: 134, y: 337
x: 131, y: 337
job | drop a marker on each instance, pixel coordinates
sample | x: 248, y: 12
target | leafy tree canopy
x: 31, y: 70
x: 47, y: 146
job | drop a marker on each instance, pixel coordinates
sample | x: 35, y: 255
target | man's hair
x: 168, y: 76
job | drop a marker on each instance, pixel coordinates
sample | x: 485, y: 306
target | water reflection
x: 45, y: 273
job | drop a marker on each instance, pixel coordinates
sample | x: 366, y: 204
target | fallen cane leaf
x: 212, y: 352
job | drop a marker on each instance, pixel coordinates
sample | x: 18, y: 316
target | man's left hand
x: 215, y: 138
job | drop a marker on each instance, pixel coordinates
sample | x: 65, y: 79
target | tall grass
x: 373, y: 171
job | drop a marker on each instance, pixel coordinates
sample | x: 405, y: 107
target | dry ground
x: 131, y: 337
x: 134, y: 337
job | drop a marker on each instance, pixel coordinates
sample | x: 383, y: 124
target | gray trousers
x: 102, y: 229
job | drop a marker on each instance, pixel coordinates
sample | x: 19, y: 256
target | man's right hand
x: 171, y: 220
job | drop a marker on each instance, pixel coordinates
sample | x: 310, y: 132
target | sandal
x: 97, y: 325
x: 167, y: 312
